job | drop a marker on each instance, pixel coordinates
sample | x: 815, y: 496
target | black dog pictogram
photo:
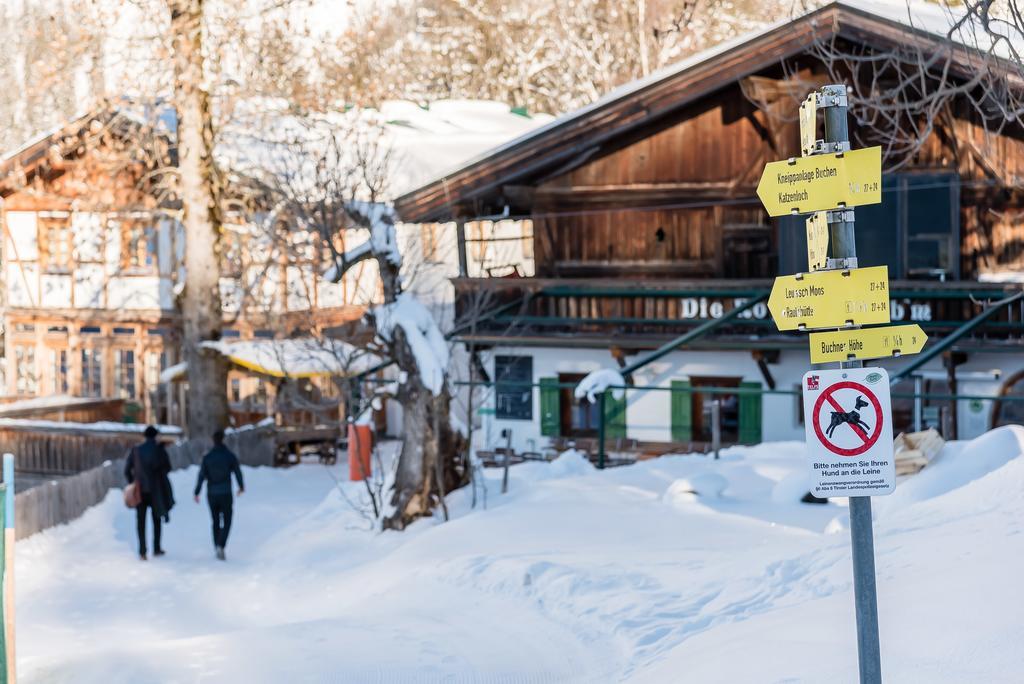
x: 851, y: 417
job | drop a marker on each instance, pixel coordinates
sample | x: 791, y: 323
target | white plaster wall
x: 88, y: 286
x: 55, y: 291
x: 22, y: 284
x: 22, y: 241
x: 648, y: 414
x: 133, y: 292
x: 87, y: 236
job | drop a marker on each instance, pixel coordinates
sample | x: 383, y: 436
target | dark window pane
x: 878, y: 236
x: 513, y: 400
x: 925, y: 255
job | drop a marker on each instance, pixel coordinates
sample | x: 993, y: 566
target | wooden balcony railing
x: 632, y: 312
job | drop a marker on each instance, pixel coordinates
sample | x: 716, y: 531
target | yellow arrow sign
x: 867, y: 343
x: 825, y: 181
x: 817, y: 241
x: 831, y: 299
x: 808, y: 124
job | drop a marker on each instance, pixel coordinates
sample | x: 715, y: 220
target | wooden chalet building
x: 646, y: 223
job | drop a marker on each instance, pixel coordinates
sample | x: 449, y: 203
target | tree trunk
x: 426, y: 426
x: 418, y: 484
x: 201, y: 306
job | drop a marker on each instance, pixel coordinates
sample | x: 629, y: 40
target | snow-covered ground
x: 575, y: 575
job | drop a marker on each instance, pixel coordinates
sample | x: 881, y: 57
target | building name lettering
x: 715, y: 307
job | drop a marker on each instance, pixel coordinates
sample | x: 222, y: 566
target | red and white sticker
x: 848, y: 419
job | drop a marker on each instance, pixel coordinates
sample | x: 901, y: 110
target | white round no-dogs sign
x: 848, y: 418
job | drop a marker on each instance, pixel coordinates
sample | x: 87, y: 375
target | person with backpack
x: 218, y: 465
x: 146, y: 468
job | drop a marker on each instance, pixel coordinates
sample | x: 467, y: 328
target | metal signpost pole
x: 843, y: 254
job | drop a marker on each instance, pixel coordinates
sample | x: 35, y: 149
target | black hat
x: 151, y: 432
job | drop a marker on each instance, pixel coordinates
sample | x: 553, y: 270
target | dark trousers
x: 140, y: 521
x: 220, y: 510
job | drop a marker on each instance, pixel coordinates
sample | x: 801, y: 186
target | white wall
x: 648, y: 415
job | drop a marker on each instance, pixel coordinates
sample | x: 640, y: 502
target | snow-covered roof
x: 419, y: 142
x: 297, y: 358
x: 51, y: 402
x: 101, y: 426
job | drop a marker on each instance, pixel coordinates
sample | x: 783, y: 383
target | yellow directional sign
x: 808, y: 124
x: 867, y: 343
x: 831, y: 299
x: 817, y: 241
x: 824, y: 181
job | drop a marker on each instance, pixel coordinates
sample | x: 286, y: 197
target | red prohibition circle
x: 871, y: 439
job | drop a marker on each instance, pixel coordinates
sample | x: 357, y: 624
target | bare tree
x: 941, y: 78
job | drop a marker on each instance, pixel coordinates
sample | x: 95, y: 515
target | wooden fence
x: 61, y: 501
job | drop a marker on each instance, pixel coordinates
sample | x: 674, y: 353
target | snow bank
x: 598, y: 382
x: 956, y: 465
x: 421, y: 332
x: 706, y: 485
x: 575, y: 575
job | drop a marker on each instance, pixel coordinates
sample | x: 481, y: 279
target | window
x: 124, y: 373
x: 579, y: 416
x: 124, y: 331
x: 236, y: 390
x: 59, y: 364
x: 154, y: 364
x: 429, y: 241
x: 55, y: 236
x: 729, y: 409
x: 25, y: 367
x: 90, y: 330
x: 513, y: 401
x: 92, y: 373
x: 139, y: 246
x: 231, y: 259
x: 915, y: 230
x: 229, y: 332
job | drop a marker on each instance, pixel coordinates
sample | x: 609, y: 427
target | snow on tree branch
x: 379, y: 218
x: 598, y: 382
x: 421, y: 332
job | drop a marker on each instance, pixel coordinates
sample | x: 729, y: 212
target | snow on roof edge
x: 674, y: 69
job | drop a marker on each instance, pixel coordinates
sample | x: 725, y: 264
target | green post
x: 600, y: 430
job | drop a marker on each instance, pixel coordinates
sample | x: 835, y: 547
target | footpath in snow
x: 575, y: 575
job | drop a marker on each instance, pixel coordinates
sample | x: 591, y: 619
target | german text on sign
x: 824, y: 181
x: 848, y: 422
x: 867, y: 343
x: 831, y: 299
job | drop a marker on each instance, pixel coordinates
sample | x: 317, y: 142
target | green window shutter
x: 550, y: 408
x: 614, y: 416
x: 682, y: 411
x: 750, y: 414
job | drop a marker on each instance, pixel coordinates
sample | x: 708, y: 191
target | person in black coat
x: 218, y: 465
x: 149, y: 464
